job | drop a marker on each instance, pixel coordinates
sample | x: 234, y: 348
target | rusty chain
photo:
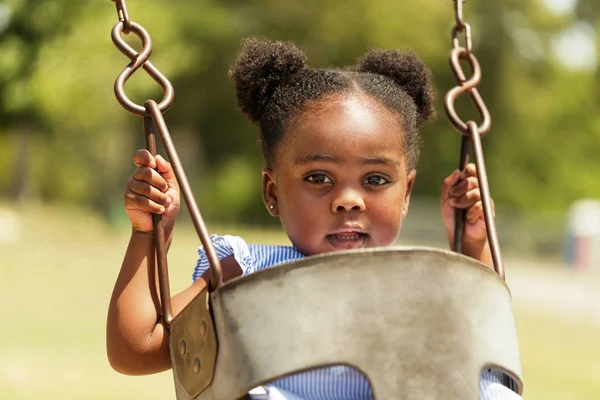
x: 461, y: 27
x: 138, y: 60
x: 123, y: 15
x: 471, y: 131
x: 465, y: 85
x: 152, y: 113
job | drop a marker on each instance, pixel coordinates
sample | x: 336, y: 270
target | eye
x: 318, y: 179
x: 376, y: 180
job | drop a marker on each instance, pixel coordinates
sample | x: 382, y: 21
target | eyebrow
x: 380, y: 160
x: 310, y: 158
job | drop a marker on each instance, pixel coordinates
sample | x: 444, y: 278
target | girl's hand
x: 461, y: 191
x: 151, y: 190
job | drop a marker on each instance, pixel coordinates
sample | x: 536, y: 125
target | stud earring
x: 271, y: 206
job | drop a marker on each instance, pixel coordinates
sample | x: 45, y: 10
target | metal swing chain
x: 471, y: 131
x: 152, y: 113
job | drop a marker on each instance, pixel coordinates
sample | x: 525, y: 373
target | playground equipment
x: 451, y: 317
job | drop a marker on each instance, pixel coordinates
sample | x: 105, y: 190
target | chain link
x: 152, y: 114
x: 123, y: 15
x: 139, y: 60
x: 458, y: 54
x: 466, y: 86
x: 458, y: 11
x: 471, y: 132
x: 461, y: 27
x: 466, y: 31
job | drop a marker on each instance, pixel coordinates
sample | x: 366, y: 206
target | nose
x: 347, y: 199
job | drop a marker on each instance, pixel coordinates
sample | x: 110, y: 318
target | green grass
x: 560, y: 357
x: 56, y: 281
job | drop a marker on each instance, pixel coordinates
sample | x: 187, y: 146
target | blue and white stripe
x: 250, y: 257
x: 331, y: 383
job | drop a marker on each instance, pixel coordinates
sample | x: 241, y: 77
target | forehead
x: 345, y: 125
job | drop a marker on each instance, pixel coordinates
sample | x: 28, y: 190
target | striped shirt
x: 331, y: 383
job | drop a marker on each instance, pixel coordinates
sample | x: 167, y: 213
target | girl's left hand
x: 461, y: 191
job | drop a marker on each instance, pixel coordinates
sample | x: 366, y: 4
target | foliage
x: 63, y: 137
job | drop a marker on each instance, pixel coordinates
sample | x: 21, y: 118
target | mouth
x: 345, y: 240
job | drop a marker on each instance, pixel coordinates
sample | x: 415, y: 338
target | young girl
x: 340, y: 149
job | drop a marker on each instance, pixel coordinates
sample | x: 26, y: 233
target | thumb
x: 166, y: 171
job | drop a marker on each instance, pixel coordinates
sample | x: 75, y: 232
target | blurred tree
x: 62, y: 131
x: 24, y: 29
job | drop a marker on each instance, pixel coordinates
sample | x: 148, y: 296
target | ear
x: 410, y: 181
x: 269, y: 191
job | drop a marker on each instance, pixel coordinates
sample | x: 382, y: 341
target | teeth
x: 347, y: 237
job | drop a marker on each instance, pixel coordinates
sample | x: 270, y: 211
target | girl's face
x: 339, y: 179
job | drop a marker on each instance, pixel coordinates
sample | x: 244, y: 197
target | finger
x: 464, y: 186
x: 466, y: 200
x: 452, y: 178
x: 475, y: 213
x: 134, y: 201
x: 470, y: 170
x: 151, y: 177
x: 143, y: 158
x: 447, y: 185
x: 144, y: 189
x: 166, y: 170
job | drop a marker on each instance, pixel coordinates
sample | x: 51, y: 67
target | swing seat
x: 419, y: 323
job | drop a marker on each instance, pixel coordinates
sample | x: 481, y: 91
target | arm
x: 461, y: 191
x: 136, y: 339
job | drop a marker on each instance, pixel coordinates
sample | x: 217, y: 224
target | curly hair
x: 275, y: 85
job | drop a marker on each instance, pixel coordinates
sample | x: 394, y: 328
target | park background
x: 66, y: 147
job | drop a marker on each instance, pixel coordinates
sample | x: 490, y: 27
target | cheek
x: 303, y: 224
x: 387, y: 212
x: 299, y: 209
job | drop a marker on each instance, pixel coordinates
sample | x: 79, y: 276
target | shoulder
x: 250, y: 257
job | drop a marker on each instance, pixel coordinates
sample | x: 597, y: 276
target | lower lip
x: 347, y: 242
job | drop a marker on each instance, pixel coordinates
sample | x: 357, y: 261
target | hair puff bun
x: 261, y: 66
x: 408, y: 72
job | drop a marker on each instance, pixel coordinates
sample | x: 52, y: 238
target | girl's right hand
x: 152, y: 189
